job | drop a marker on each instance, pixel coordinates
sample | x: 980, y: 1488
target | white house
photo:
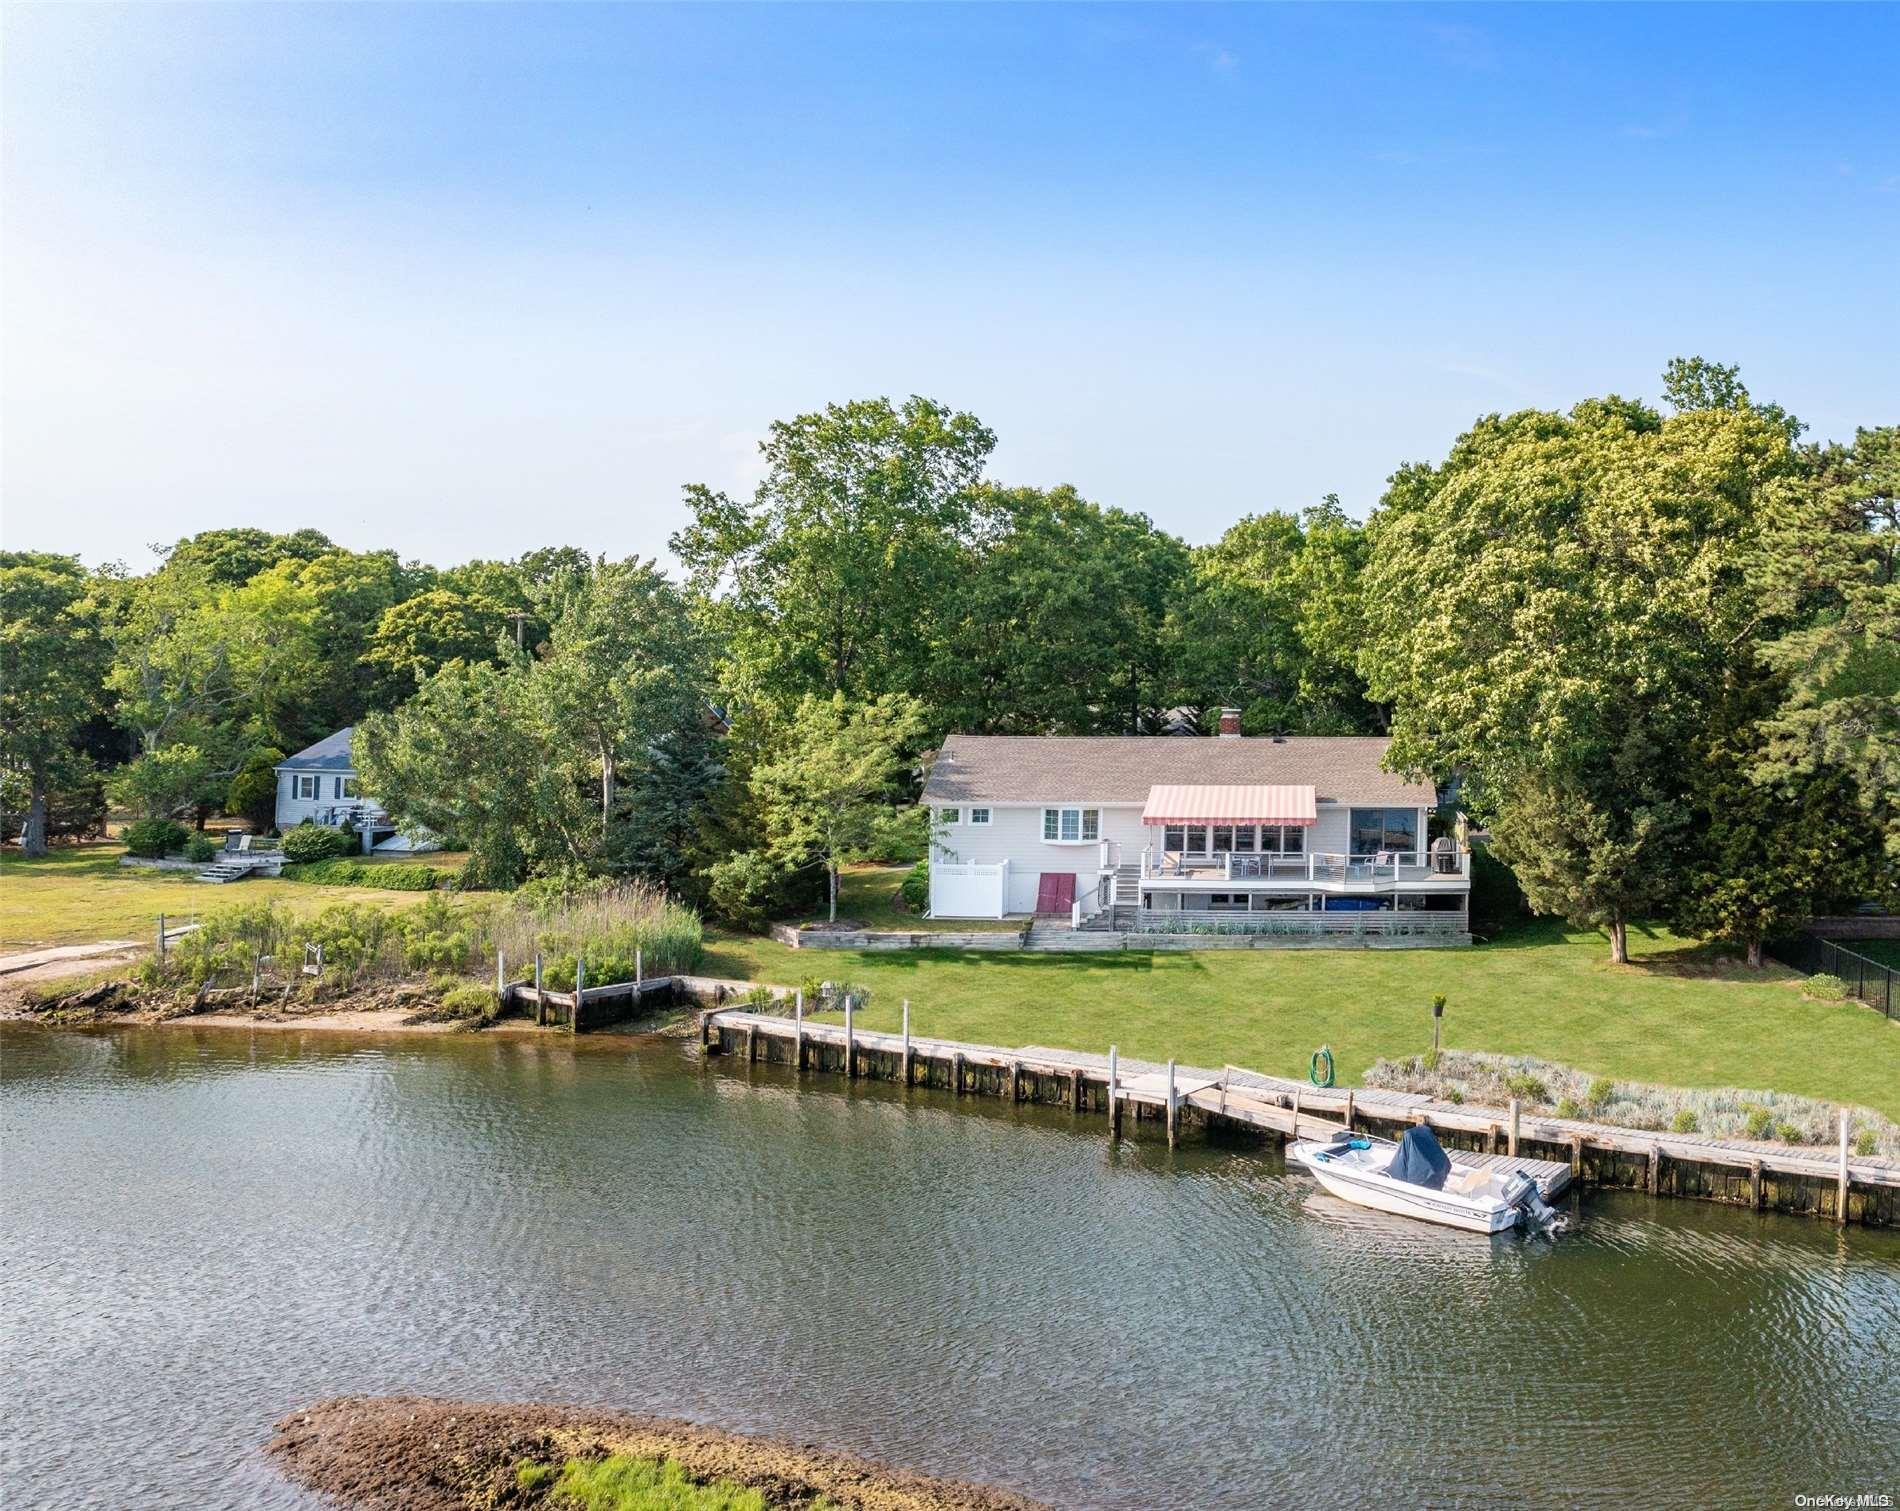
x: 1175, y: 833
x: 318, y: 785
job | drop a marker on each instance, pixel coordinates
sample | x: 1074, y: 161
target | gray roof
x: 331, y: 753
x: 1121, y: 768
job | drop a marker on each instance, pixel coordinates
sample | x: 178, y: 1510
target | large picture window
x: 1071, y: 826
x: 1376, y: 829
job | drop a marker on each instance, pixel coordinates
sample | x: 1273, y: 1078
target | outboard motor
x: 1535, y: 1215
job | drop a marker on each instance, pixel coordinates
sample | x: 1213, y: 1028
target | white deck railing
x: 1313, y: 866
x: 1297, y: 922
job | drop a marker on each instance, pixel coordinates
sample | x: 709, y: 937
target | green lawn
x: 80, y: 893
x: 867, y: 895
x: 1678, y: 1015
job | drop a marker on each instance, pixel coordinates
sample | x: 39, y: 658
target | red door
x: 1055, y: 892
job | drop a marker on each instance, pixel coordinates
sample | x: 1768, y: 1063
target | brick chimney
x: 1230, y: 723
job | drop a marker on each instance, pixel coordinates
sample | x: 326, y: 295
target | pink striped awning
x: 1229, y: 805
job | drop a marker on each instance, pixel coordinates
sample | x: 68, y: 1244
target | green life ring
x: 1312, y: 1068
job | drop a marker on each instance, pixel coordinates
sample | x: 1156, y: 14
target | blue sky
x: 465, y: 280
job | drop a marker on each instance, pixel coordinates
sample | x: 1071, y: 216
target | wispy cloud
x: 1219, y: 59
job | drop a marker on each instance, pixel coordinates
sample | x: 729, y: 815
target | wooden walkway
x: 1295, y: 1109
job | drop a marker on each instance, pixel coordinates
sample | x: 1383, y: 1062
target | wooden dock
x: 1557, y: 1153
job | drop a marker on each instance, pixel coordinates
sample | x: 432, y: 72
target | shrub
x: 314, y: 842
x: 916, y: 887
x: 1787, y: 1133
x: 758, y: 999
x: 1866, y: 1142
x: 200, y: 849
x: 1683, y: 1122
x: 1602, y: 1092
x: 1824, y: 988
x: 1568, y: 1108
x: 356, y: 873
x: 1454, y: 1096
x: 153, y: 838
x: 1759, y: 1123
x: 813, y: 988
x: 1526, y: 1087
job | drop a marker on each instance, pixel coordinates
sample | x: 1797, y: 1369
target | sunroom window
x: 979, y: 816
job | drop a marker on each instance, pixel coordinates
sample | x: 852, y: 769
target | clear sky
x: 465, y: 280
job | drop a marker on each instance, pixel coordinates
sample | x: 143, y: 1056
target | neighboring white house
x: 318, y: 786
x: 1175, y: 832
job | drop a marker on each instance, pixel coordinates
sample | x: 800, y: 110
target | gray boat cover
x: 1420, y: 1160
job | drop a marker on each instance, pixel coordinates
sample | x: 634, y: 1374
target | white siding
x: 293, y: 810
x: 1014, y: 834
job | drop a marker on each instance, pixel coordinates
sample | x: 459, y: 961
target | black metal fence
x: 1866, y: 979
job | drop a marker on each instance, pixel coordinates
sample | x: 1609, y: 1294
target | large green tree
x: 1547, y: 612
x: 1831, y: 570
x: 1271, y: 624
x: 836, y: 791
x: 52, y: 660
x: 1058, y: 622
x: 835, y: 574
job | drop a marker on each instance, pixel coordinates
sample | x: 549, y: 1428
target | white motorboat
x: 1415, y: 1177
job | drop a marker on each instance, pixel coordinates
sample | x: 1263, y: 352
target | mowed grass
x: 80, y: 893
x: 1679, y: 1015
x: 867, y: 895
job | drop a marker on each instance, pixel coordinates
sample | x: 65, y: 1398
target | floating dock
x: 1558, y: 1153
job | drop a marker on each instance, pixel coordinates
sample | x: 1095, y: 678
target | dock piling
x: 850, y: 1047
x: 580, y: 995
x: 798, y: 1029
x: 1512, y: 1151
x: 1840, y: 1195
x: 905, y: 1067
x: 1173, y: 1105
x: 540, y: 997
x: 1114, y: 1101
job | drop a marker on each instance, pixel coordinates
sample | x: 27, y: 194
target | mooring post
x: 1075, y: 1089
x: 1576, y: 1158
x: 1171, y: 1104
x: 501, y: 977
x: 956, y: 1072
x: 639, y: 972
x: 751, y: 1043
x: 1349, y: 1111
x: 161, y: 938
x: 541, y: 1000
x: 1296, y: 1114
x: 1655, y: 1169
x: 798, y: 1029
x: 1015, y: 1079
x: 1754, y: 1184
x: 1514, y: 1113
x: 1840, y: 1198
x: 580, y: 995
x: 256, y: 971
x: 850, y: 1045
x: 906, y: 1065
x: 1114, y: 1100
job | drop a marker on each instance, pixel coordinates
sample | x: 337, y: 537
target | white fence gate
x: 969, y: 891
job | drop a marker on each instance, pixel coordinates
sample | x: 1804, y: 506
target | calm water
x: 203, y: 1229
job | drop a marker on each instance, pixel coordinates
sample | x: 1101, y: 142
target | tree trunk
x: 832, y: 871
x: 606, y: 786
x: 1619, y: 942
x: 1754, y: 954
x: 33, y: 834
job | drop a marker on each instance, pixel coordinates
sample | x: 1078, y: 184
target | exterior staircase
x: 1121, y: 912
x: 1054, y: 934
x: 225, y: 870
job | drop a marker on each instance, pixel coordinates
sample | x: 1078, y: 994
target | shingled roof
x: 1121, y: 768
x: 331, y: 753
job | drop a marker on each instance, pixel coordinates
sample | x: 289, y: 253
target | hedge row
x: 356, y: 873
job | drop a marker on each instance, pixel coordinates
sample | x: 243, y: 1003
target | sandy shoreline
x: 378, y: 1453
